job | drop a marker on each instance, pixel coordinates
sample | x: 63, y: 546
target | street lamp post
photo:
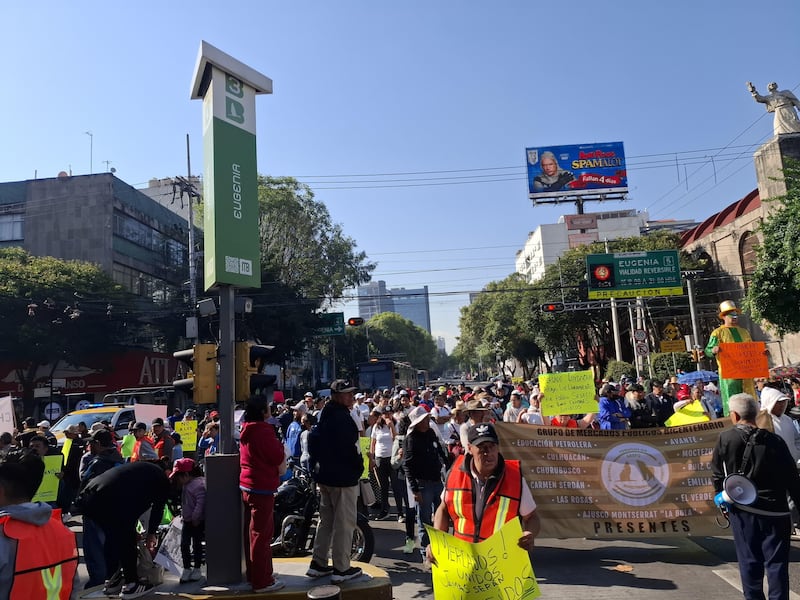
x: 91, y: 151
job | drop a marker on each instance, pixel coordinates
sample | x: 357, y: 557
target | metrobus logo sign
x: 632, y: 274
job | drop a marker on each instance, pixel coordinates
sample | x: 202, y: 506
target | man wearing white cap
x: 44, y: 429
x: 423, y: 460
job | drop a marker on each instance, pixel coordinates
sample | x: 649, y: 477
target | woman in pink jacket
x: 260, y: 455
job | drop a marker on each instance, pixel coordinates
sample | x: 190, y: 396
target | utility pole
x: 690, y: 276
x: 91, y: 151
x: 615, y: 322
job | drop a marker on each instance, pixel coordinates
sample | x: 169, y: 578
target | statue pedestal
x: 770, y: 161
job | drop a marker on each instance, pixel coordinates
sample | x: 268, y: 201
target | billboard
x: 556, y: 171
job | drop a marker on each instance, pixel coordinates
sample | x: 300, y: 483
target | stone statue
x: 782, y: 103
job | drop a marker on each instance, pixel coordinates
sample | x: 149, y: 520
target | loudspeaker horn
x: 738, y: 489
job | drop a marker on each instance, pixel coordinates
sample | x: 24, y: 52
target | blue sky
x: 366, y: 92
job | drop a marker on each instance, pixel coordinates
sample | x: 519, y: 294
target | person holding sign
x: 728, y: 332
x: 483, y: 491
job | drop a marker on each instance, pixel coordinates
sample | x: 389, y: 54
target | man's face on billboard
x: 549, y: 166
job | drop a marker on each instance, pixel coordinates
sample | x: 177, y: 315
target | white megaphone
x: 738, y: 489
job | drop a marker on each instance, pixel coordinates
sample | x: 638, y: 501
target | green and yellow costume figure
x: 727, y: 333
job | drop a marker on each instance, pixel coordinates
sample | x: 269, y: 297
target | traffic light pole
x: 693, y: 312
x: 226, y: 368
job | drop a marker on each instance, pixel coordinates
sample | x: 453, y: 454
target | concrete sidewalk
x: 373, y: 585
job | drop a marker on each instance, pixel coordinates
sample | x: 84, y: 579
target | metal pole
x: 693, y: 313
x: 615, y: 324
x: 192, y: 257
x: 636, y: 357
x: 226, y: 368
x: 91, y: 151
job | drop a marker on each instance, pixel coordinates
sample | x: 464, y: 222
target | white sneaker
x: 276, y: 585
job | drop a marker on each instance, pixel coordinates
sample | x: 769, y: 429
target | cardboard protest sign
x: 6, y: 415
x: 48, y: 490
x: 364, y: 444
x: 188, y: 431
x: 569, y: 393
x: 743, y: 360
x: 496, y: 568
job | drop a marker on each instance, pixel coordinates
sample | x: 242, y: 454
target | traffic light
x: 553, y: 307
x: 250, y: 359
x: 697, y: 355
x: 201, y: 377
x: 355, y: 321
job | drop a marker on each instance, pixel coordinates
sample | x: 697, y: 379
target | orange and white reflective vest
x: 46, y: 560
x: 500, y: 506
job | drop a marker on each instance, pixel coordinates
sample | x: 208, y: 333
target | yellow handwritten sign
x: 48, y: 490
x: 188, y: 431
x: 743, y: 360
x: 568, y: 393
x: 496, y: 568
x: 364, y: 443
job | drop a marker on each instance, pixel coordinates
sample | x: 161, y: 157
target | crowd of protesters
x: 414, y: 436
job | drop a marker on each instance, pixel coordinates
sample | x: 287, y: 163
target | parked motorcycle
x: 297, y: 516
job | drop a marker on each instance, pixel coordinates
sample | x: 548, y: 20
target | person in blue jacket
x: 614, y: 414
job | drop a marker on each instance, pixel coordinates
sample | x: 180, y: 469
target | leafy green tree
x: 54, y: 311
x: 615, y: 369
x: 307, y: 262
x: 390, y: 333
x: 505, y: 320
x: 773, y: 293
x: 667, y: 364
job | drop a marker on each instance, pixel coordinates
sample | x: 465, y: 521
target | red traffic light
x: 553, y: 307
x: 355, y: 321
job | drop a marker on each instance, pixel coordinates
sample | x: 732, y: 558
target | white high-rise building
x: 549, y: 241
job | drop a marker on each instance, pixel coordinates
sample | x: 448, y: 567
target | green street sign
x: 232, y: 245
x: 632, y: 274
x: 329, y: 324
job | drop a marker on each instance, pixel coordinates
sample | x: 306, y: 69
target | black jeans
x: 192, y: 544
x: 383, y: 472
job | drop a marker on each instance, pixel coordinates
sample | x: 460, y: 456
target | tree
x: 773, y: 293
x: 505, y: 320
x: 53, y: 310
x: 300, y: 245
x: 307, y: 261
x: 392, y: 334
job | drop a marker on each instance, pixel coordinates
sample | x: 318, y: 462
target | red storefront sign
x: 135, y: 368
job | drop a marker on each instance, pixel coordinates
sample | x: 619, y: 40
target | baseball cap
x: 342, y: 386
x: 403, y: 393
x: 213, y: 413
x: 359, y: 396
x: 102, y: 437
x: 44, y: 423
x: 300, y: 407
x: 140, y: 425
x: 308, y: 395
x: 482, y: 432
x: 182, y: 465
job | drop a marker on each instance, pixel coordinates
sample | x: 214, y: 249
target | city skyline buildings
x: 411, y: 303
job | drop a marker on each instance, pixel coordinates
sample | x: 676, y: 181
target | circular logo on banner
x: 635, y: 474
x: 83, y: 405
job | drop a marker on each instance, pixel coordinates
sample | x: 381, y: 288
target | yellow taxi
x: 119, y: 417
